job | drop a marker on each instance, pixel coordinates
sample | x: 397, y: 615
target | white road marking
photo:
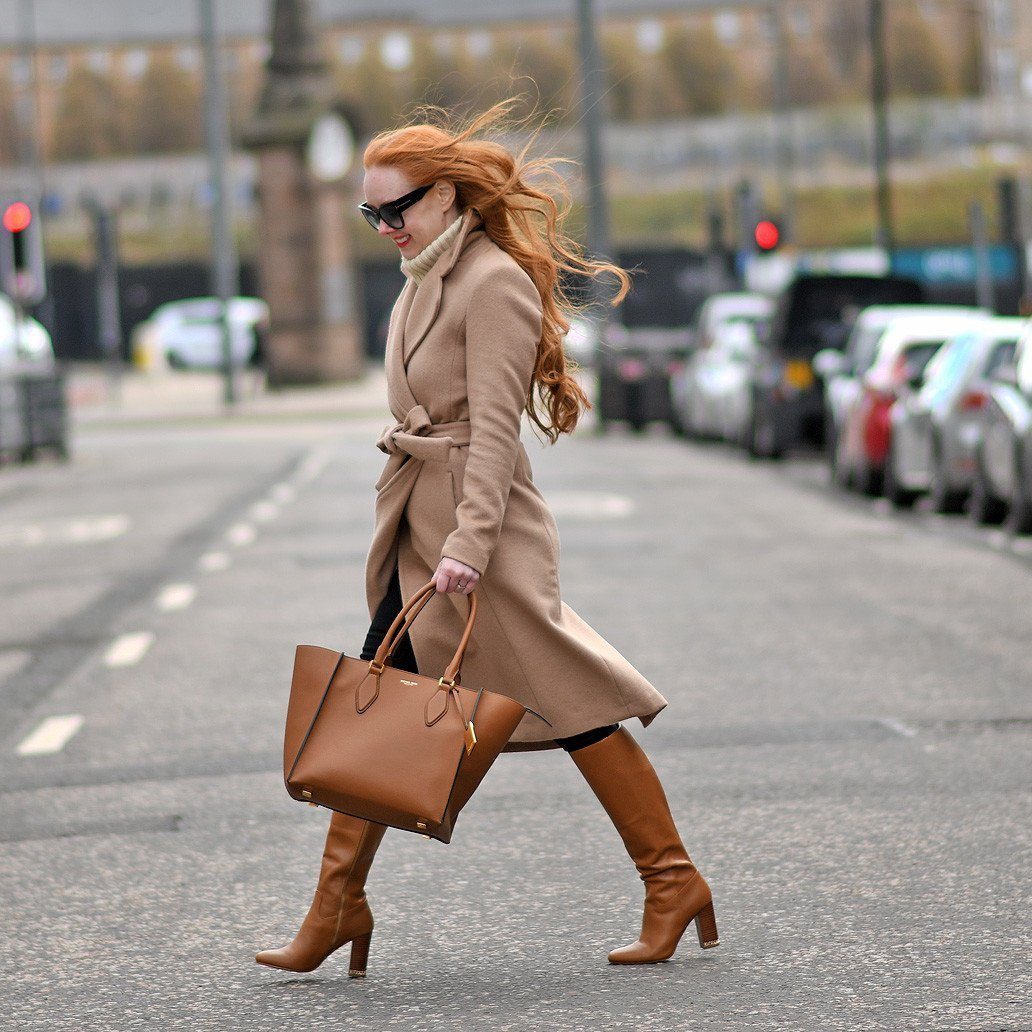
x: 128, y: 649
x: 13, y: 660
x: 897, y: 726
x: 241, y: 534
x: 590, y: 505
x: 264, y: 511
x: 176, y: 596
x: 51, y: 736
x: 213, y: 561
x: 283, y: 493
x: 78, y: 531
x: 312, y: 466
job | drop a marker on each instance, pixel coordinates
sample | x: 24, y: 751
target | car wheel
x: 1019, y: 516
x: 944, y: 499
x: 870, y: 481
x: 984, y: 508
x: 761, y: 437
x: 175, y: 360
x: 900, y: 496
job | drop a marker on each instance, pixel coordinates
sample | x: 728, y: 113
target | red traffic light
x: 17, y: 217
x: 767, y: 235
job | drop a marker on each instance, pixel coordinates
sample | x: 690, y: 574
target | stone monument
x: 304, y: 144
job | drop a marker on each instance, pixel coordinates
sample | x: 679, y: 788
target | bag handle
x: 407, y: 616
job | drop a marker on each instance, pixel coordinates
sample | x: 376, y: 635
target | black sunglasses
x: 390, y: 211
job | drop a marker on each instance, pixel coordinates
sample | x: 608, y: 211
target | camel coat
x: 461, y: 350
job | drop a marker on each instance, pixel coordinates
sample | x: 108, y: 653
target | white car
x: 24, y: 341
x: 843, y: 371
x: 187, y: 335
x: 581, y: 342
x: 750, y: 314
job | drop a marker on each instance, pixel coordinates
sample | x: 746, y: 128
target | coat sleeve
x: 503, y: 330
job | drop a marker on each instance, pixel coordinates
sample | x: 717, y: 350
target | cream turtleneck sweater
x: 418, y: 266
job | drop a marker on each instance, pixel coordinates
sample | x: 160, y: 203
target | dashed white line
x: 283, y: 493
x: 128, y: 649
x: 213, y: 561
x: 176, y: 596
x: 264, y: 511
x: 51, y: 736
x: 241, y: 534
x: 897, y: 726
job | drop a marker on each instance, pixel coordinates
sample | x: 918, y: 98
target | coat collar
x: 426, y: 295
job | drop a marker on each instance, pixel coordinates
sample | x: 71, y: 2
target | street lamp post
x: 882, y: 142
x: 216, y: 128
x: 592, y: 114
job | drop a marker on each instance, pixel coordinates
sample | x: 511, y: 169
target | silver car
x: 1002, y: 484
x: 935, y: 430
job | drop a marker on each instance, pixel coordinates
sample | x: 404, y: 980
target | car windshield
x: 916, y: 355
x: 1001, y: 354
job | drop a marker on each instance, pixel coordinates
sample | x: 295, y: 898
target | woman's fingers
x: 455, y: 576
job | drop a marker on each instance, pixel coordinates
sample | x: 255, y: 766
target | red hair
x: 523, y: 220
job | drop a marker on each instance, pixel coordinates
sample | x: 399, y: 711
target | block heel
x: 706, y: 926
x: 359, y: 955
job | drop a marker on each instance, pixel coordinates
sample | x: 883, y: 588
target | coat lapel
x: 426, y: 302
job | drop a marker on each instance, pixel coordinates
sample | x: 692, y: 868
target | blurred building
x: 132, y: 70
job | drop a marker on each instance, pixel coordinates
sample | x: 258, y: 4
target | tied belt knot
x: 422, y: 439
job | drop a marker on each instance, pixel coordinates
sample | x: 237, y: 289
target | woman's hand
x: 452, y: 575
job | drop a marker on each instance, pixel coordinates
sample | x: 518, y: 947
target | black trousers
x: 405, y: 658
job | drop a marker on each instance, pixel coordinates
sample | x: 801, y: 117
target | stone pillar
x: 305, y: 260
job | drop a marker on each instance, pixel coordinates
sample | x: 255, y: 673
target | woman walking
x: 478, y: 328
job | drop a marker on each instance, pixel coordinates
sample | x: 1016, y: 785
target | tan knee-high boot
x: 340, y: 911
x: 676, y: 893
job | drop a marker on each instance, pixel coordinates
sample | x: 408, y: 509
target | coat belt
x: 422, y: 439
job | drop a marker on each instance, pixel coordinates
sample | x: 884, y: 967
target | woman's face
x: 425, y: 220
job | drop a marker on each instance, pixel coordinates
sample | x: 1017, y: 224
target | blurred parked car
x: 842, y: 371
x: 717, y: 393
x: 581, y: 343
x: 634, y: 371
x: 903, y: 350
x: 814, y: 312
x: 187, y: 335
x: 748, y: 310
x: 25, y: 342
x: 1002, y: 484
x: 935, y: 430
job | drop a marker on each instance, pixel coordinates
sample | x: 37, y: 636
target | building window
x: 1001, y: 17
x: 649, y: 36
x: 352, y: 48
x: 444, y: 44
x: 135, y: 63
x: 479, y: 44
x: 188, y: 59
x: 396, y: 51
x: 800, y: 21
x: 99, y: 61
x: 727, y: 26
x: 57, y: 68
x: 18, y: 70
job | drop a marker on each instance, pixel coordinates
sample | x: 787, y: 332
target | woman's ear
x: 446, y: 193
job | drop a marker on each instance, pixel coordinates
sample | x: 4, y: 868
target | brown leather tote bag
x: 387, y: 745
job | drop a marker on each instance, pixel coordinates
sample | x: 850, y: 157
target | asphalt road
x: 846, y: 751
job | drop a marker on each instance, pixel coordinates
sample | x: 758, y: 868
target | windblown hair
x: 525, y: 221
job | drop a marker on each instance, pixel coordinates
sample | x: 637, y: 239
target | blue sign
x: 943, y: 265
